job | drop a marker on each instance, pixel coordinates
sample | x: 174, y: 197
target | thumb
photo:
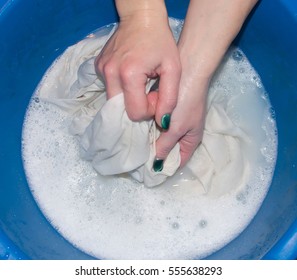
x: 138, y: 106
x: 164, y: 144
x: 167, y: 97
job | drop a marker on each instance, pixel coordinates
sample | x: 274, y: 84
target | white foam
x: 117, y: 218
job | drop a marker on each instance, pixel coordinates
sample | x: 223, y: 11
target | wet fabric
x: 116, y: 145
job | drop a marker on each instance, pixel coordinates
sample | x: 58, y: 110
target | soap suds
x: 118, y: 218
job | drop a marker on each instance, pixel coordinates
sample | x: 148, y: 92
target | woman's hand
x: 209, y: 29
x: 188, y: 118
x: 142, y: 47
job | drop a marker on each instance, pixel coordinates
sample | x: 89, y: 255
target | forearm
x: 209, y: 29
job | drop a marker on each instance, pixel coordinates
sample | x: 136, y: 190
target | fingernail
x: 165, y: 121
x: 158, y: 165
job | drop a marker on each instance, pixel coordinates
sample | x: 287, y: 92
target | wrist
x: 141, y: 10
x: 198, y: 63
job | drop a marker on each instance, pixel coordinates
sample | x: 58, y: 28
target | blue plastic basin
x: 34, y: 32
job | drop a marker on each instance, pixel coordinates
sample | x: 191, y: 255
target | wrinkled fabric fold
x: 115, y: 144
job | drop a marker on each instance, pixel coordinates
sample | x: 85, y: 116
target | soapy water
x: 116, y: 217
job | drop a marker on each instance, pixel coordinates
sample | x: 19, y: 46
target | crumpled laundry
x: 115, y: 144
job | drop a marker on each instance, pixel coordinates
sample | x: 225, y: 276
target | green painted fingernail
x: 165, y: 121
x: 158, y: 165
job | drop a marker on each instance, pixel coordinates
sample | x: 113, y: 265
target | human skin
x: 143, y: 47
x: 209, y: 29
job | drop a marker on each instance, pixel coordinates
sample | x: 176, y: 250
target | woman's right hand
x: 188, y: 118
x: 209, y: 29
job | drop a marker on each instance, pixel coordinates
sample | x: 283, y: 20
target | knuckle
x: 128, y: 73
x: 174, y: 67
x: 109, y: 69
x: 99, y: 65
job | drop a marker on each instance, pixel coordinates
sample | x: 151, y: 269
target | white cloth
x: 114, y: 144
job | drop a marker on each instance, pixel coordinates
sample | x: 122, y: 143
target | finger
x: 168, y: 93
x: 152, y: 98
x: 110, y: 74
x: 164, y: 145
x: 188, y: 145
x: 138, y: 105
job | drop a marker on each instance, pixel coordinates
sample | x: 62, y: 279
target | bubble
x: 256, y: 79
x: 241, y: 70
x: 241, y: 198
x: 175, y: 225
x: 272, y: 113
x: 138, y: 220
x: 237, y: 55
x: 120, y: 218
x: 202, y: 223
